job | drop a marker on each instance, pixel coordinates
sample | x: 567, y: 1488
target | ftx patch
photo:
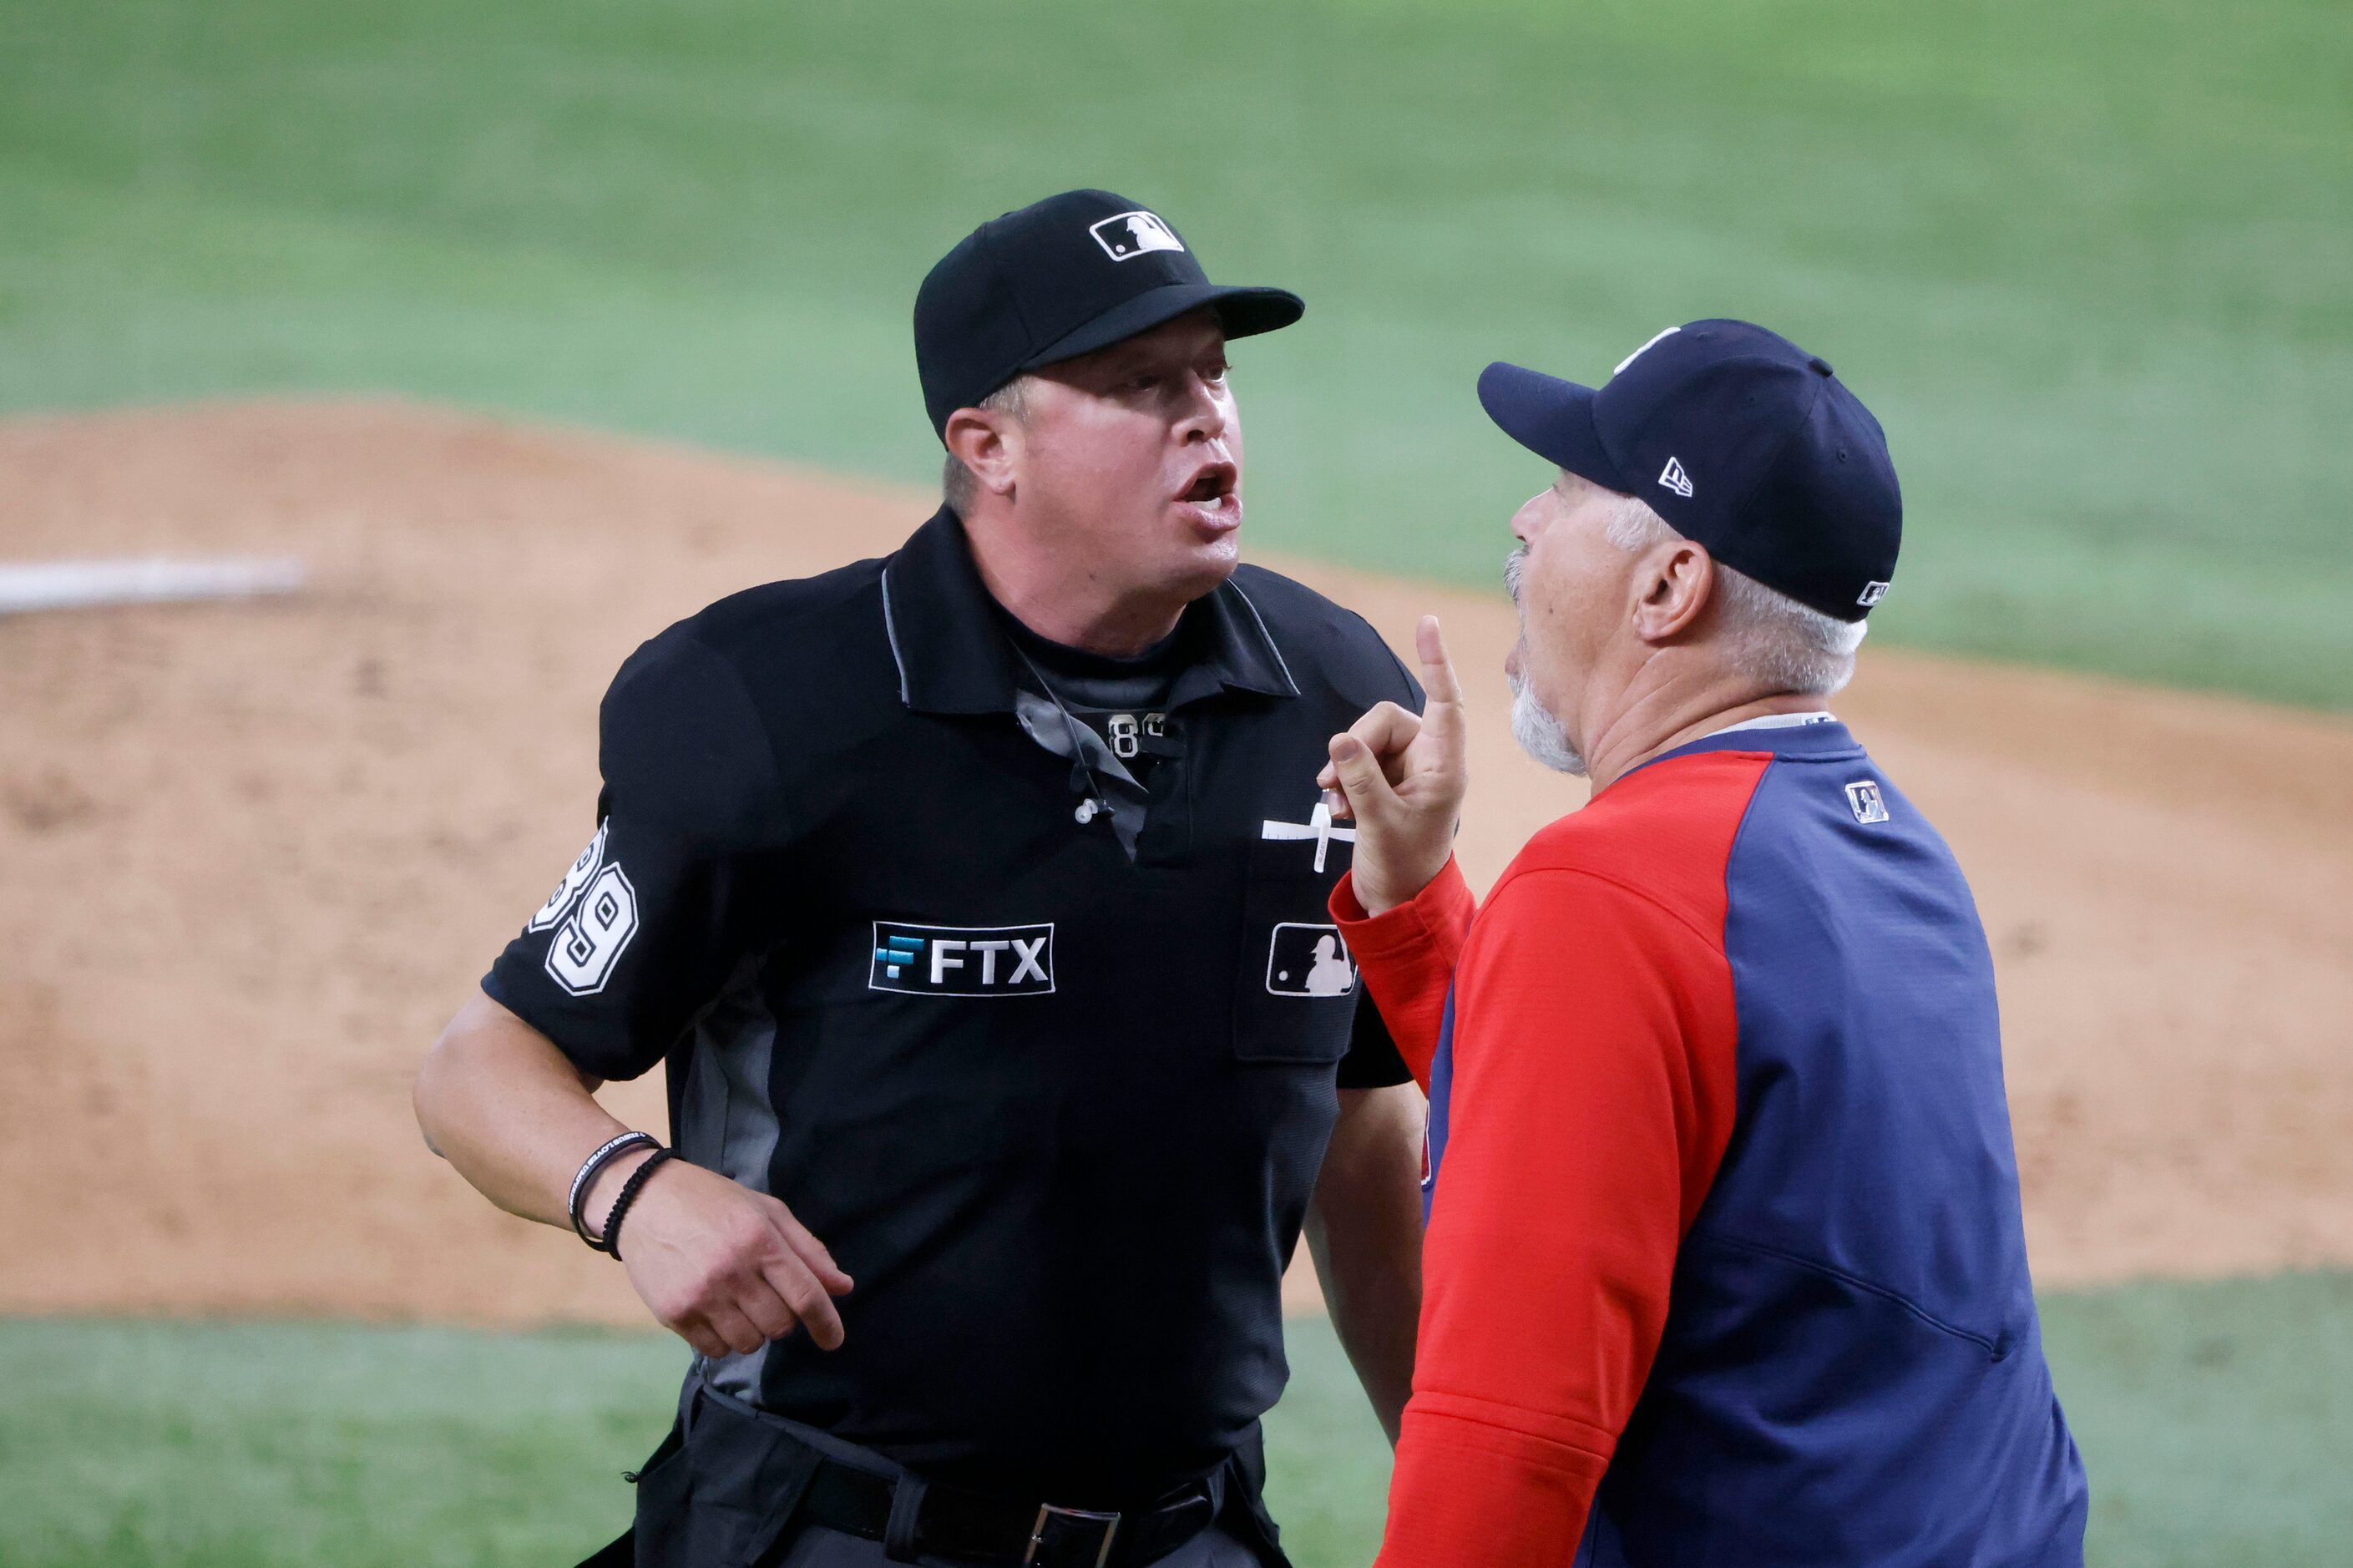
x: 963, y: 960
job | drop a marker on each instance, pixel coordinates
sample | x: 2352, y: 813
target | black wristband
x: 610, y: 1150
x: 627, y: 1196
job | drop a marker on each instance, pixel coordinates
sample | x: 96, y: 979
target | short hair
x: 957, y: 485
x: 1769, y: 637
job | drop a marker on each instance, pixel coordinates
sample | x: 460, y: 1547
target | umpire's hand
x: 1403, y: 778
x: 723, y: 1267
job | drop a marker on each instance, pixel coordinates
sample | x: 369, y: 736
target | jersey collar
x: 1793, y: 735
x: 1777, y: 721
x: 953, y: 658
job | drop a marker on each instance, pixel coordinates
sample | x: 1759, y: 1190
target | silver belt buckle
x: 1110, y: 1522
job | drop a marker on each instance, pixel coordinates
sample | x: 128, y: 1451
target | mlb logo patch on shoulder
x: 1130, y: 235
x: 1864, y: 799
x: 963, y: 960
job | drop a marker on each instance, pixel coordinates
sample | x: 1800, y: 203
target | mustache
x: 1515, y: 567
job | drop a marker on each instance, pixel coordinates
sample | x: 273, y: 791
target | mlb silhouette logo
x: 1871, y: 594
x: 1309, y: 961
x: 1131, y: 234
x: 1862, y: 797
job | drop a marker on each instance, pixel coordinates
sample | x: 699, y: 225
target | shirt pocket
x: 1296, y: 988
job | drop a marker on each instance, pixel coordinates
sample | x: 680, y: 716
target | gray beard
x: 1540, y: 734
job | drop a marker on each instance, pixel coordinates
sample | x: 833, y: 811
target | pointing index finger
x: 1444, y: 694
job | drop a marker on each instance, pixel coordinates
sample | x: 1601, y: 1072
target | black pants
x: 722, y: 1489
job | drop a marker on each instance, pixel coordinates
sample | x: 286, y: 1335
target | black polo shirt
x: 1056, y: 1101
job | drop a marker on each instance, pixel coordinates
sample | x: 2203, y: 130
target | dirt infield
x: 252, y: 855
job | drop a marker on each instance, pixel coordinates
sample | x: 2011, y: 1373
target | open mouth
x: 1211, y: 486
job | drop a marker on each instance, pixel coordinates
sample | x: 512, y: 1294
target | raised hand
x: 1402, y: 778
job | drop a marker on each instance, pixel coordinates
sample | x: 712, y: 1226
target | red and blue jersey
x: 1725, y: 1261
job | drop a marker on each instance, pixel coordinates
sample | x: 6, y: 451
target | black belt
x: 974, y: 1527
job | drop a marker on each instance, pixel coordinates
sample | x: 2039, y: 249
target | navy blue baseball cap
x: 1741, y: 441
x: 1062, y: 278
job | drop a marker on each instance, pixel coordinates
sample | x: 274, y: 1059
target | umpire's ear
x: 985, y: 441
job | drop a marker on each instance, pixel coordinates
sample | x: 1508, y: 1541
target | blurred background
x: 525, y: 328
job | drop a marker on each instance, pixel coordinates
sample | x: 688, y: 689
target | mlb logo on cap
x: 1130, y: 235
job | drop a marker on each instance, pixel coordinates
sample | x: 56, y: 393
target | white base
x: 76, y: 584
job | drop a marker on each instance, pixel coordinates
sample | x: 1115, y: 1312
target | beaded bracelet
x: 613, y: 1149
x: 627, y: 1196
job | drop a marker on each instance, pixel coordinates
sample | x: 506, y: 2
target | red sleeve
x: 1590, y: 1100
x: 1407, y: 956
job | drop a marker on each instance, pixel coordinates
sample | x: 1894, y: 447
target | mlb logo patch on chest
x: 1305, y: 960
x: 963, y: 960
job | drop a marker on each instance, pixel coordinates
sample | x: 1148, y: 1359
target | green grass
x: 253, y: 1445
x: 2089, y: 262
x: 2217, y: 1420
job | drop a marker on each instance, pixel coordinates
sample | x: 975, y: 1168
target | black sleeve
x: 1409, y: 693
x: 1373, y: 1061
x: 650, y: 920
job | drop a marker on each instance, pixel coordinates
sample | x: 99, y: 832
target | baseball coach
x: 1725, y: 1262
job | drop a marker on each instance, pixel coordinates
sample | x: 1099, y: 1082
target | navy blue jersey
x: 1726, y: 1262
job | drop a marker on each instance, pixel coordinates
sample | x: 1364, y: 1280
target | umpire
x: 975, y: 900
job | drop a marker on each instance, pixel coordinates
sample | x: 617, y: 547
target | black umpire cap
x: 1741, y: 441
x: 1059, y: 278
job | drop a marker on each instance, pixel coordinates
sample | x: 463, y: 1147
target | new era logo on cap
x: 1673, y: 478
x: 1128, y: 235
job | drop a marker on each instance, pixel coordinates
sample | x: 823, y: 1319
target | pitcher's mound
x: 251, y: 855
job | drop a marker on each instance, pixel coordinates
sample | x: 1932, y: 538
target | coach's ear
x: 986, y: 440
x: 1674, y: 585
